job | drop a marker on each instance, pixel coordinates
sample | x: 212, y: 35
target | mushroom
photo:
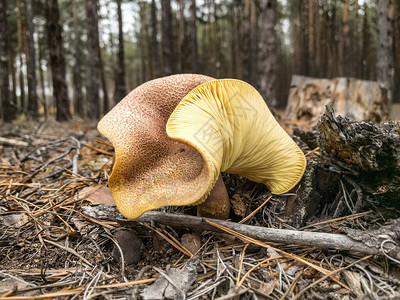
x: 151, y: 170
x: 213, y: 126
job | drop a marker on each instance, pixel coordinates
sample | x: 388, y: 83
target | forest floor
x: 50, y: 248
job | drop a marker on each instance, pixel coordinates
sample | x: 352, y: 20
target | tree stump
x: 358, y: 100
x: 358, y: 170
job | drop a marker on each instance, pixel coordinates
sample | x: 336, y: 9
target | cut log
x: 368, y: 153
x: 359, y: 147
x: 358, y: 170
x: 358, y: 100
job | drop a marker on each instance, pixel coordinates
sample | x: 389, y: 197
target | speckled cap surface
x: 151, y: 170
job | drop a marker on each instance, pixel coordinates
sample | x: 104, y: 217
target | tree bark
x: 6, y: 104
x: 323, y: 42
x: 93, y: 60
x: 182, y: 36
x: 106, y: 105
x: 355, y: 43
x: 345, y: 51
x: 359, y: 100
x: 167, y: 38
x: 311, y: 48
x: 57, y: 61
x: 77, y: 79
x: 154, y: 49
x: 366, y: 44
x: 333, y: 49
x: 120, y: 86
x: 249, y: 45
x: 396, y: 92
x: 13, y: 70
x: 368, y: 154
x: 193, y: 26
x: 384, y: 63
x: 267, y: 52
x: 146, y: 42
x: 31, y: 65
x: 22, y: 102
x: 296, y: 32
x: 41, y: 77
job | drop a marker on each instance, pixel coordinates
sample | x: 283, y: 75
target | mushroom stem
x: 217, y: 204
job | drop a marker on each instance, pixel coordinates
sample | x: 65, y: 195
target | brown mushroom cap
x: 151, y: 170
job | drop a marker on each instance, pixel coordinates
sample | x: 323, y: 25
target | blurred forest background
x: 80, y: 57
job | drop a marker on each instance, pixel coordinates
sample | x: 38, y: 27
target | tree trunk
x: 213, y: 37
x: 182, y: 36
x: 355, y: 46
x: 311, y: 48
x: 238, y: 38
x: 366, y: 54
x: 167, y: 38
x: 41, y: 77
x: 77, y: 79
x: 193, y: 26
x: 345, y: 51
x: 333, y: 49
x: 22, y: 102
x: 145, y: 42
x: 120, y: 86
x: 6, y: 104
x: 13, y: 69
x: 296, y: 32
x: 57, y: 61
x: 31, y: 66
x: 154, y: 50
x: 323, y: 41
x: 11, y: 57
x: 267, y: 52
x: 232, y: 42
x: 384, y: 64
x: 396, y: 92
x: 249, y: 37
x: 359, y: 100
x: 93, y: 60
x: 106, y: 106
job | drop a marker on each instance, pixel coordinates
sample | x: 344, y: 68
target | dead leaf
x: 238, y: 202
x: 97, y: 195
x: 354, y: 281
x: 267, y: 288
x: 159, y: 242
x: 130, y: 244
x: 182, y: 281
x: 191, y: 241
x: 14, y: 220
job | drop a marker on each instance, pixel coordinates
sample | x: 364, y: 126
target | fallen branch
x: 283, y: 236
x: 11, y: 142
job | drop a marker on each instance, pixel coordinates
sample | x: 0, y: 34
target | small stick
x: 11, y: 142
